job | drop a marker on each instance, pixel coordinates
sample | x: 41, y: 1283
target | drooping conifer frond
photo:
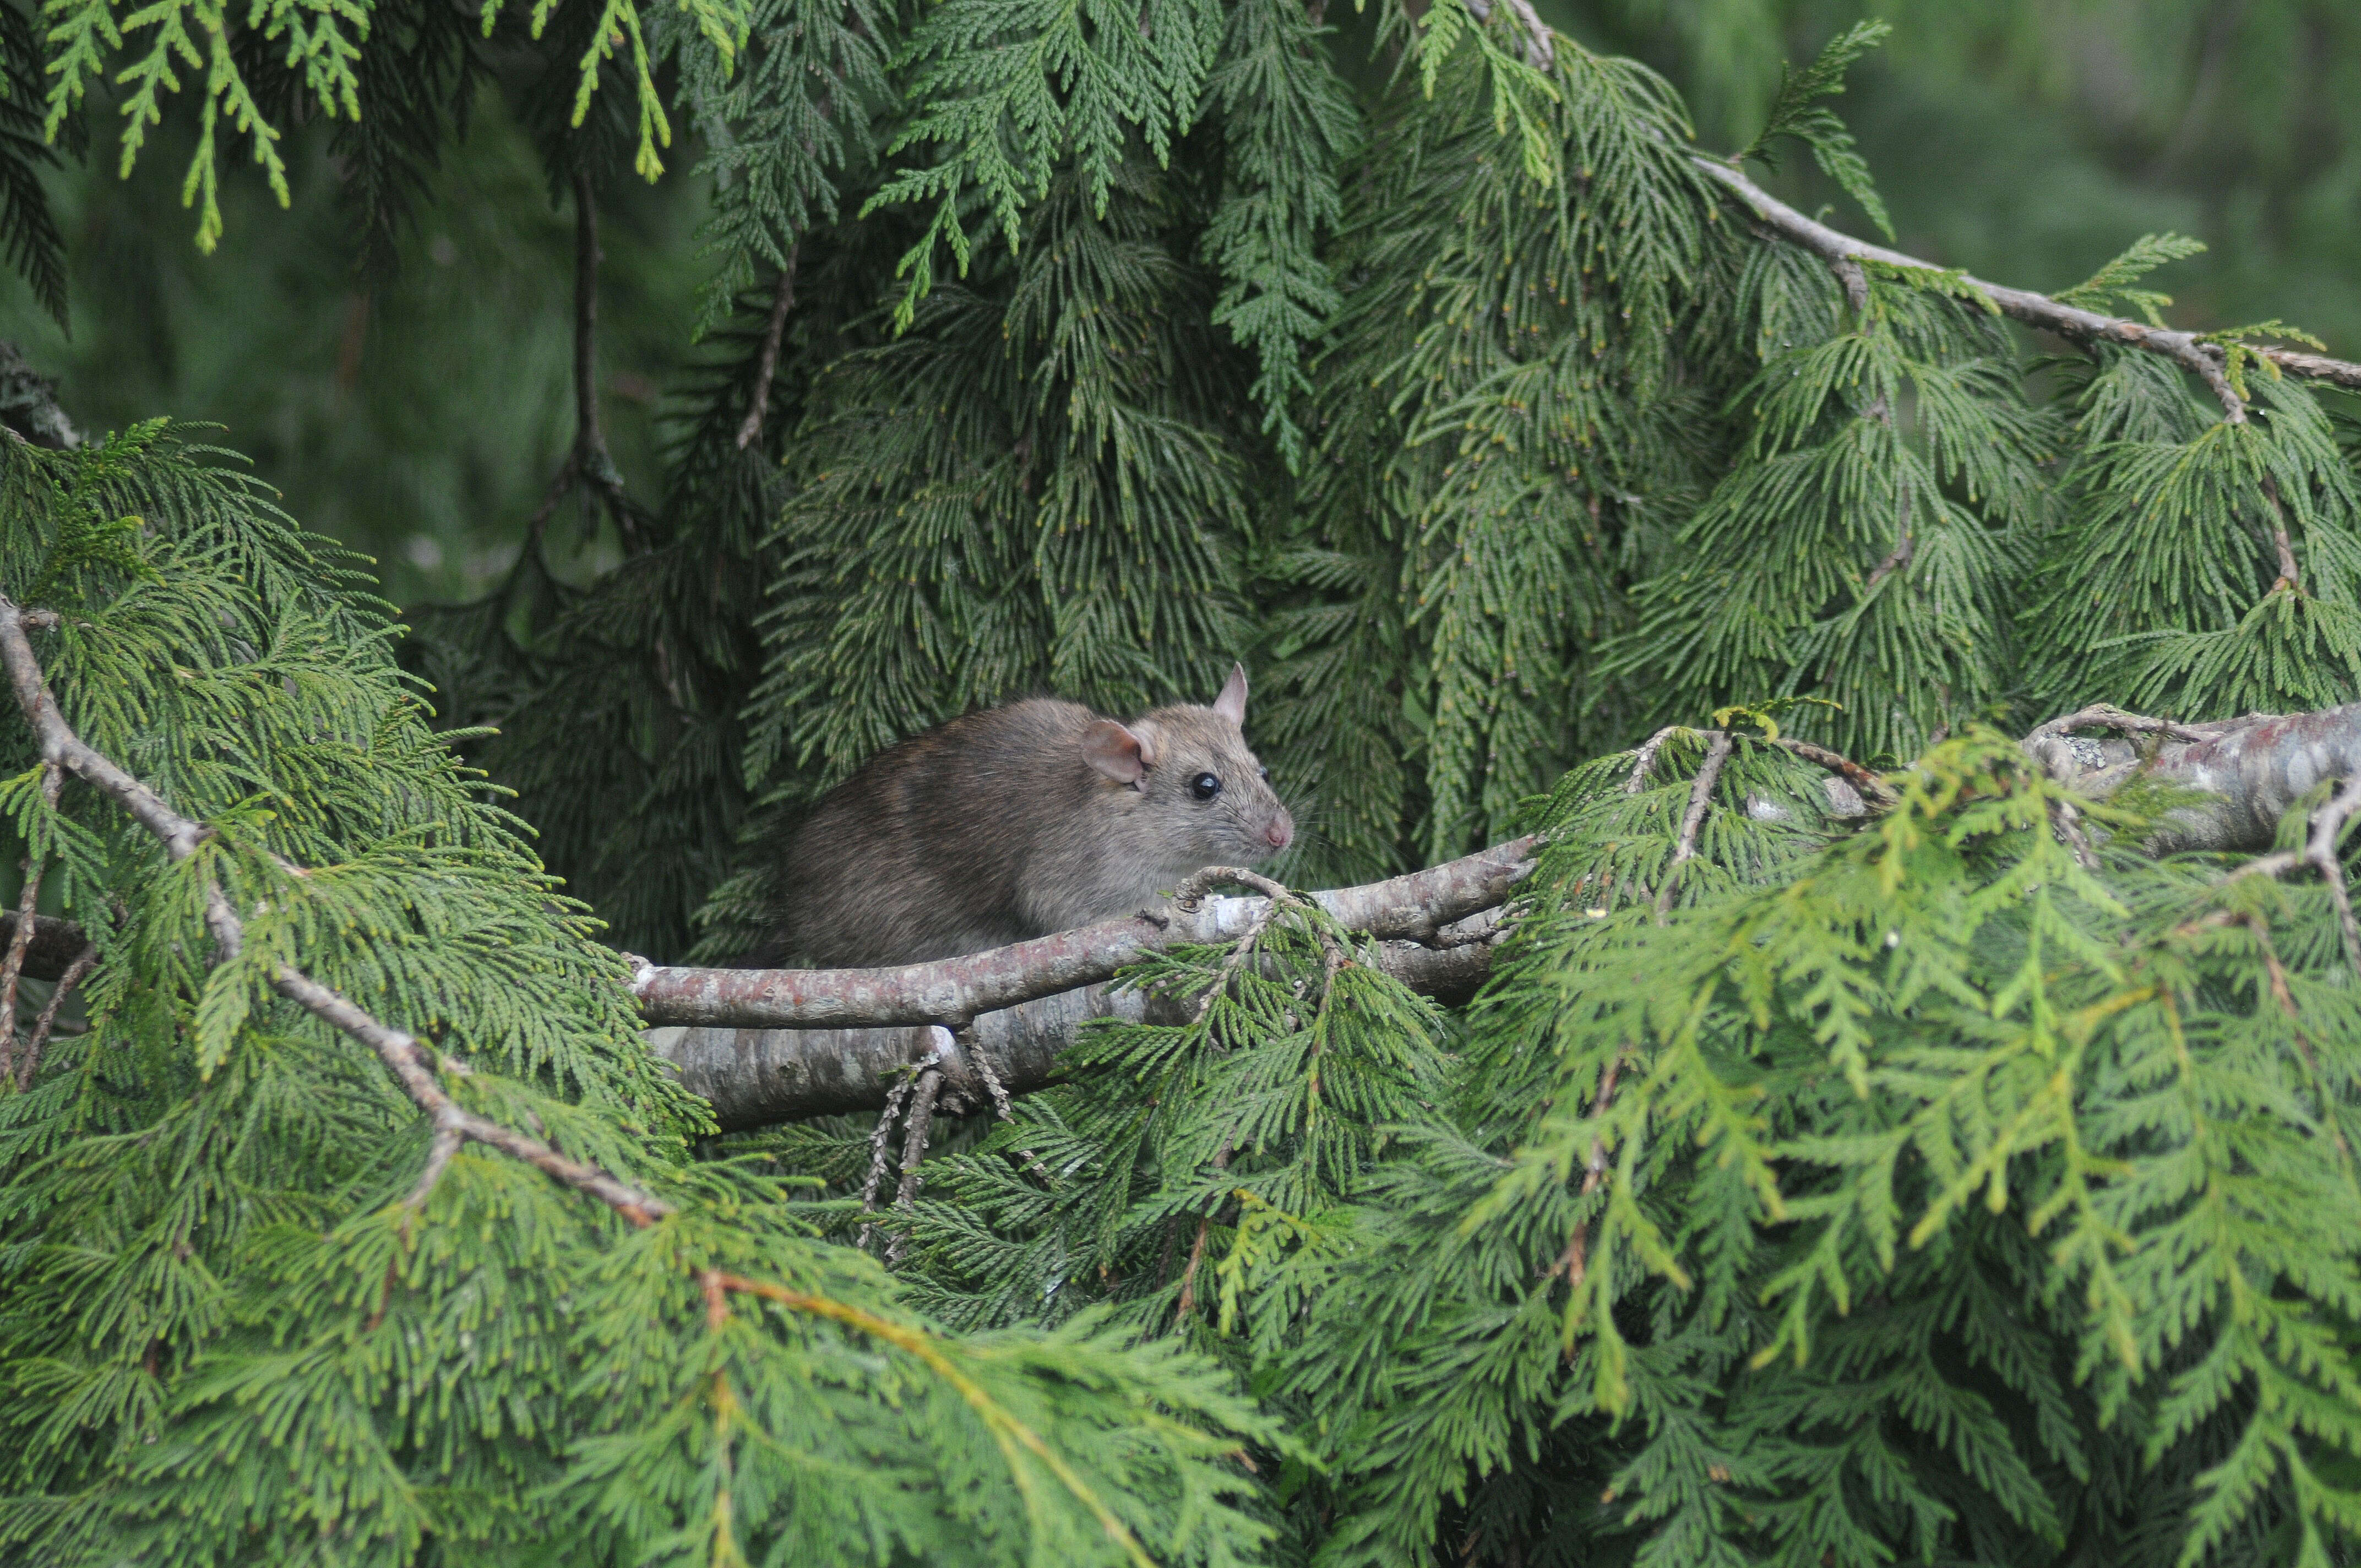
x: 1946, y: 1179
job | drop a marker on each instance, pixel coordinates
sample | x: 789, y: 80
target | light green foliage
x: 320, y: 44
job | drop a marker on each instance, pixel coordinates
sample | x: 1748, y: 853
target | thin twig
x: 2067, y: 823
x: 438, y: 1156
x: 28, y: 1060
x: 2320, y: 852
x: 20, y: 938
x: 588, y: 460
x: 1717, y: 753
x: 1899, y: 557
x: 980, y: 1059
x: 2288, y: 576
x: 2205, y: 360
x: 2327, y: 828
x: 783, y: 300
x: 2282, y: 993
x: 1575, y: 1261
x: 1844, y: 767
x: 1541, y: 43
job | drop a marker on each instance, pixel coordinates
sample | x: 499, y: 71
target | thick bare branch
x: 2256, y: 768
x: 954, y: 990
x: 2205, y: 360
x: 756, y: 1076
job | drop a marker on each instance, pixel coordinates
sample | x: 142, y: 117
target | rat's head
x: 1201, y: 798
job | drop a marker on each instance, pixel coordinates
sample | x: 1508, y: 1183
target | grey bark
x: 754, y: 1078
x: 2254, y: 768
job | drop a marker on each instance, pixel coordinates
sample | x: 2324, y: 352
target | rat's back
x: 1021, y: 820
x: 918, y: 854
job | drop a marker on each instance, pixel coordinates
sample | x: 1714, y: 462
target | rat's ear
x: 1121, y: 755
x: 1232, y: 703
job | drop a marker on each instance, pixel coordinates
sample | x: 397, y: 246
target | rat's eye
x: 1264, y: 772
x: 1204, y: 787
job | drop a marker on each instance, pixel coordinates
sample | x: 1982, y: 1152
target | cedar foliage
x: 1856, y: 1190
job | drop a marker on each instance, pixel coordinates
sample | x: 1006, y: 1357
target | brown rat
x: 1021, y: 820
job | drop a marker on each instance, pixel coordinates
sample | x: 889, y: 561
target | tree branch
x: 954, y: 990
x: 2205, y: 360
x: 782, y: 302
x: 588, y: 461
x: 2255, y: 769
x: 1024, y: 1004
x: 1541, y: 43
x: 410, y: 1062
x: 1717, y: 753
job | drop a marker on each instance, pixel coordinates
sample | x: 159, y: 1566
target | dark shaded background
x: 418, y: 417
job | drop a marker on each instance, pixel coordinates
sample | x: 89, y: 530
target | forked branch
x: 588, y: 463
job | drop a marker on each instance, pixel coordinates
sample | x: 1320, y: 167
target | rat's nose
x: 1281, y: 829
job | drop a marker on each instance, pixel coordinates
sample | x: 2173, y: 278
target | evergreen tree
x: 1963, y: 1177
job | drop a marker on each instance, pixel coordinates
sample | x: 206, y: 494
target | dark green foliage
x: 32, y: 243
x: 1850, y: 1190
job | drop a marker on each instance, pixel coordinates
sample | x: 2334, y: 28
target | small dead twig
x: 2067, y: 823
x: 2282, y: 993
x: 1188, y: 1302
x: 438, y: 1154
x: 1541, y: 43
x: 782, y: 302
x: 588, y: 463
x: 20, y: 934
x: 877, y: 1161
x: 1904, y: 548
x: 915, y: 1131
x: 2288, y: 576
x: 2320, y: 852
x: 2327, y: 828
x: 1190, y: 893
x: 1001, y: 1108
x: 1575, y: 1261
x: 1718, y: 750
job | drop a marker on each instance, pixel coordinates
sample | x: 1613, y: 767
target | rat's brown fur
x: 1000, y: 826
